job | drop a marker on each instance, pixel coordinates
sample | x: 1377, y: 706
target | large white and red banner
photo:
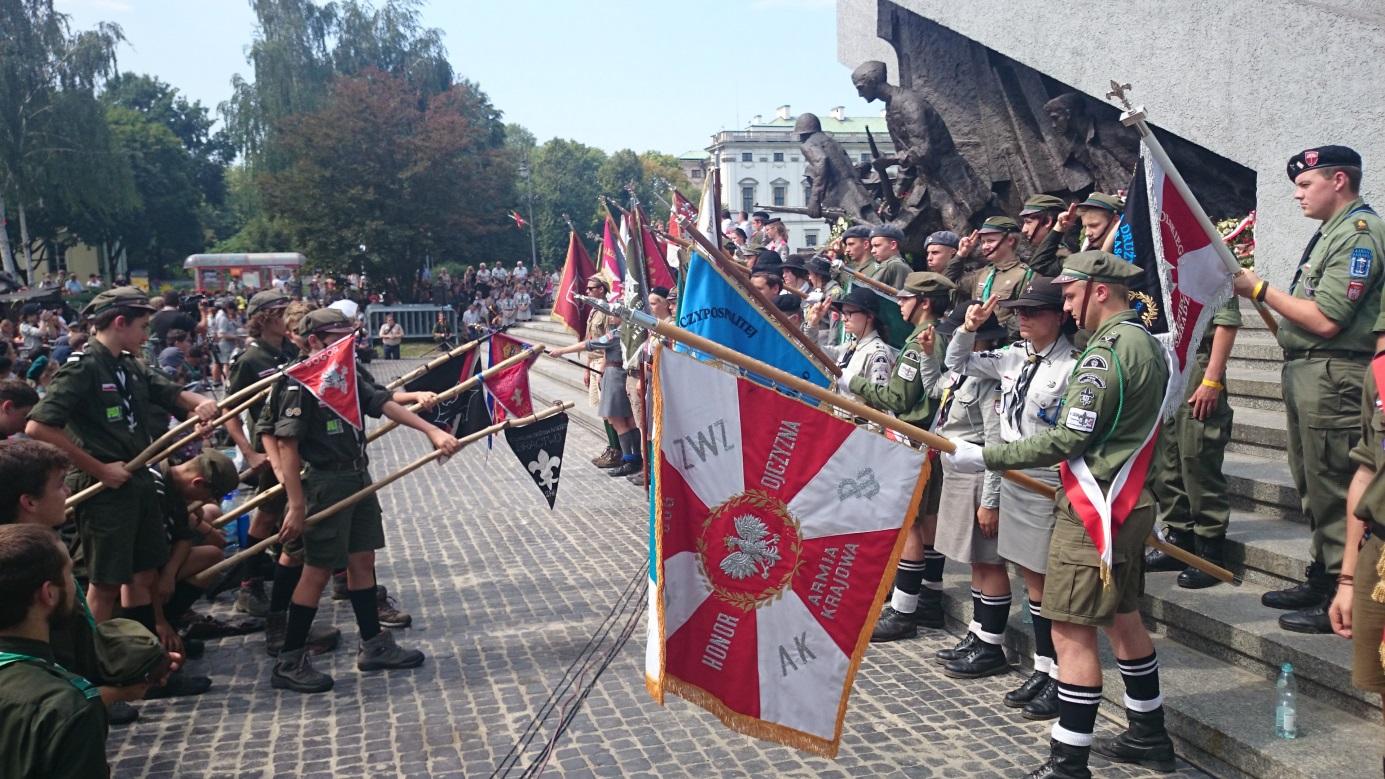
x: 776, y: 525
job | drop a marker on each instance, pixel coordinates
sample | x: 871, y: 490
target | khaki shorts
x: 356, y: 528
x: 933, y: 491
x: 1073, y: 591
x: 122, y: 531
x: 268, y: 481
x: 1367, y: 621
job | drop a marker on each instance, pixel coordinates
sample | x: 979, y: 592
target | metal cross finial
x: 1118, y: 91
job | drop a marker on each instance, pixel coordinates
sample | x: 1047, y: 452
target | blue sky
x: 545, y: 64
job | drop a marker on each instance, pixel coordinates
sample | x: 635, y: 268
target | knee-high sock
x: 1141, y: 677
x: 1044, y: 654
x: 612, y: 440
x: 366, y: 605
x: 908, y: 580
x: 932, y: 568
x: 285, y: 581
x: 630, y: 446
x: 1077, y: 705
x: 995, y: 612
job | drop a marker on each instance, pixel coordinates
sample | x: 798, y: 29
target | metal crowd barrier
x: 417, y: 319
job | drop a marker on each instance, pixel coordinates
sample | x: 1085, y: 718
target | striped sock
x: 994, y: 613
x: 1044, y: 654
x: 1077, y: 705
x: 1141, y: 679
x: 908, y: 580
x: 933, y: 568
x: 975, y: 626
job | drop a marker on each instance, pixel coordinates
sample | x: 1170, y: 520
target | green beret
x: 1041, y: 203
x: 1098, y: 266
x: 925, y: 283
x: 124, y: 297
x: 325, y: 320
x: 1103, y: 201
x: 999, y: 224
x: 266, y: 300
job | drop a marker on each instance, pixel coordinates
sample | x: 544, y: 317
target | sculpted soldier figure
x: 933, y: 173
x: 1099, y: 154
x: 834, y: 177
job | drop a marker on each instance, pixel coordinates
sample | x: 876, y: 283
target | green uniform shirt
x: 52, y: 722
x: 892, y: 272
x: 173, y: 507
x: 1370, y: 453
x: 1229, y: 315
x: 1048, y: 256
x: 106, y: 403
x: 325, y: 440
x: 1113, y: 399
x: 1007, y: 282
x: 255, y: 362
x: 908, y: 392
x: 1343, y: 277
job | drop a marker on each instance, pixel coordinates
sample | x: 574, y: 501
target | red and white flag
x: 331, y: 376
x: 518, y: 220
x: 509, y: 387
x: 777, y: 525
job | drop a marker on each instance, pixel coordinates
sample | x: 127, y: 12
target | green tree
x: 565, y: 180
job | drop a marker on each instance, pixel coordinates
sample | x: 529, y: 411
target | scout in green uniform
x: 890, y: 269
x: 98, y: 411
x: 856, y: 245
x: 1189, y: 486
x: 52, y: 723
x: 917, y: 600
x: 1326, y: 332
x: 1112, y: 404
x: 1049, y: 246
x: 267, y: 351
x: 998, y: 241
x: 1098, y: 216
x: 308, y: 434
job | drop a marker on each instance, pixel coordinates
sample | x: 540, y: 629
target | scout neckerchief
x: 121, y: 379
x: 990, y: 279
x: 1014, y: 399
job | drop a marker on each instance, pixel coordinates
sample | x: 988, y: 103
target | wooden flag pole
x: 879, y: 286
x: 912, y: 432
x: 205, y: 577
x: 728, y: 266
x: 258, y: 500
x: 436, y: 362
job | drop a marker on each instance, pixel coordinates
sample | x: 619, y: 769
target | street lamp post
x: 529, y: 187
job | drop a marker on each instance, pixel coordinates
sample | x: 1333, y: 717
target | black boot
x: 1045, y: 704
x: 968, y: 642
x: 1026, y: 692
x: 929, y: 613
x: 1209, y: 549
x: 893, y: 626
x: 1316, y: 588
x: 983, y: 660
x: 1144, y: 742
x: 627, y: 468
x: 1309, y: 620
x: 1064, y: 762
x: 1156, y: 560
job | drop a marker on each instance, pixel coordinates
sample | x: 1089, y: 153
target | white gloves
x: 844, y: 384
x: 966, y: 459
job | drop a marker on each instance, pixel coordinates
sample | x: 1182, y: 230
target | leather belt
x: 1308, y: 354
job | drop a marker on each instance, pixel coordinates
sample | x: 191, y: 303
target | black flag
x: 444, y: 377
x: 1135, y: 243
x: 539, y: 447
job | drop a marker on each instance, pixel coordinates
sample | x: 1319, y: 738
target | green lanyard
x: 86, y: 610
x: 91, y: 691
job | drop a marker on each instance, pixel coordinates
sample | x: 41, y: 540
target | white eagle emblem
x: 757, y: 550
x: 545, y: 469
x: 334, y: 379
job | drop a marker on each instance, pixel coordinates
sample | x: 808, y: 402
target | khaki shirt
x: 1006, y: 280
x: 1113, y: 399
x: 892, y: 272
x: 1343, y: 277
x: 107, y: 403
x: 1370, y: 453
x: 52, y: 721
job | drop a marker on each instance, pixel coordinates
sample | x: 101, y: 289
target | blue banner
x: 713, y: 306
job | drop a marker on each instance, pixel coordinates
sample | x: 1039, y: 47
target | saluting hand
x: 978, y: 313
x: 927, y: 338
x: 968, y: 243
x: 1067, y: 219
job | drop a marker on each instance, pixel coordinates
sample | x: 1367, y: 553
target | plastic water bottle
x: 233, y: 530
x: 1285, y: 721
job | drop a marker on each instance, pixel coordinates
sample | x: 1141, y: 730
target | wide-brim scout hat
x: 1322, y: 157
x: 122, y: 297
x: 1039, y: 204
x: 925, y: 283
x: 990, y: 330
x: 768, y: 261
x: 1104, y: 202
x: 218, y: 470
x: 858, y: 297
x: 795, y: 263
x: 268, y: 300
x: 788, y: 303
x: 325, y: 320
x: 1040, y: 292
x: 820, y: 265
x: 1098, y: 266
x: 888, y: 231
x: 126, y: 652
x: 998, y: 224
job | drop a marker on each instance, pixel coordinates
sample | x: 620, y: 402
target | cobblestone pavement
x: 504, y: 596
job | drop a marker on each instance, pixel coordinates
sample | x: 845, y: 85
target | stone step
x: 1262, y: 485
x: 1267, y: 550
x: 1259, y: 432
x: 1220, y: 713
x: 1255, y: 388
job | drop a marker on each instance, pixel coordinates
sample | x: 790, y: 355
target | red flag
x: 331, y: 376
x: 612, y: 258
x: 577, y: 268
x: 509, y: 387
x: 656, y: 267
x: 519, y: 220
x: 681, y: 207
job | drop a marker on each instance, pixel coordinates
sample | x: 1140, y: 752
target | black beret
x: 1323, y: 157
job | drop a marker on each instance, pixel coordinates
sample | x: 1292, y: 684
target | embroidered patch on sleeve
x: 1080, y: 420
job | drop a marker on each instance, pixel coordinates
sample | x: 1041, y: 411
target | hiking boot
x: 627, y: 469
x: 1064, y: 762
x: 1156, y: 560
x: 968, y: 642
x: 1209, y: 549
x: 252, y: 599
x: 193, y: 648
x: 321, y: 638
x: 391, y: 616
x: 180, y: 684
x: 1018, y: 697
x: 893, y: 626
x: 121, y: 713
x: 983, y: 660
x: 1045, y: 704
x: 929, y: 612
x: 294, y: 671
x: 1311, y: 620
x: 1144, y: 742
x: 340, y: 589
x: 607, y: 459
x: 382, y: 653
x: 638, y: 479
x: 205, y: 626
x: 1317, y: 587
x: 229, y: 579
